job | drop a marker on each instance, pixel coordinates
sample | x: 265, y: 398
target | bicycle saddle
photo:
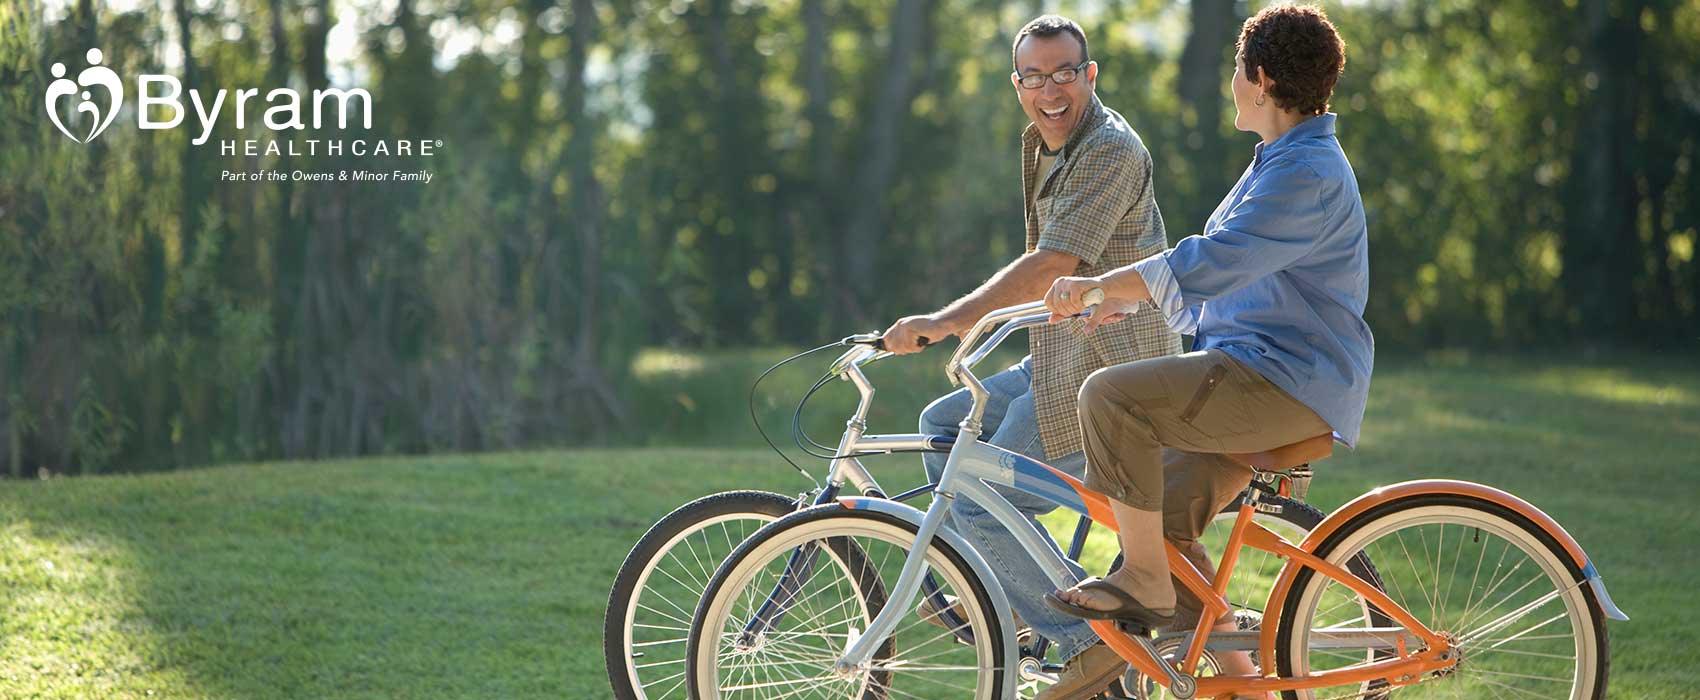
x: 1288, y: 456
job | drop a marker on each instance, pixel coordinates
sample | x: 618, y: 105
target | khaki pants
x: 1157, y: 431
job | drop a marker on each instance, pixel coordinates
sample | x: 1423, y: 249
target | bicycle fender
x: 1431, y: 487
x: 988, y: 577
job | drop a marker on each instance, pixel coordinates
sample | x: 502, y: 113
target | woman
x: 1274, y: 291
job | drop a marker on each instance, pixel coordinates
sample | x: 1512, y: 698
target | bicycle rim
x: 657, y: 611
x: 1516, y: 611
x: 831, y: 608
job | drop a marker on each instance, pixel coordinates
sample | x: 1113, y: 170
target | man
x: 1090, y: 208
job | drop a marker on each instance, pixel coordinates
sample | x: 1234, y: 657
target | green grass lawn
x: 485, y: 576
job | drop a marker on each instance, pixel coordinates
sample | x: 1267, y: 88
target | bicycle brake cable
x: 798, y: 435
x: 757, y: 421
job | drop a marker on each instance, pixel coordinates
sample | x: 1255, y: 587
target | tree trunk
x: 1200, y: 89
x: 879, y: 157
x: 314, y: 61
x: 1601, y: 246
x: 822, y: 206
x: 190, y: 205
x: 596, y: 396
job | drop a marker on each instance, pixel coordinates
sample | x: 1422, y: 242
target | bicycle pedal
x: 1134, y: 629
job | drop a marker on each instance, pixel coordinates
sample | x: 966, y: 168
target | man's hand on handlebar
x: 912, y: 333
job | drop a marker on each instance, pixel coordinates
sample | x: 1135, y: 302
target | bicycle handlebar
x: 1017, y: 318
x: 870, y: 347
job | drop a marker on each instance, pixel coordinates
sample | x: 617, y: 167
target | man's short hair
x: 1048, y: 26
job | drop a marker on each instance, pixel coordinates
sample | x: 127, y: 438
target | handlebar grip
x: 1093, y: 296
x: 922, y: 340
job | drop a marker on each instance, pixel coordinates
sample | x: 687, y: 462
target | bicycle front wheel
x: 764, y: 632
x: 1511, y: 599
x: 658, y: 586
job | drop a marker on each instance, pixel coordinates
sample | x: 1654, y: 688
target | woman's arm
x: 1277, y: 222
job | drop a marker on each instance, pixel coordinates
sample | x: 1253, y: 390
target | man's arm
x: 1023, y: 280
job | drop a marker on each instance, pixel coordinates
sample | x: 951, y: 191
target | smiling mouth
x: 1054, y: 115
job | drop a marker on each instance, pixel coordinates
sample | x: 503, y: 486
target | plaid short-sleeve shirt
x: 1096, y: 203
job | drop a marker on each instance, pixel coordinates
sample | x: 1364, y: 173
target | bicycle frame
x: 846, y: 466
x: 973, y: 467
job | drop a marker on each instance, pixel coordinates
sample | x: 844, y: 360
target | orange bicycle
x: 1473, y: 593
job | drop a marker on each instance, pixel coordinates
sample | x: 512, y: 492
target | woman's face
x: 1249, y: 116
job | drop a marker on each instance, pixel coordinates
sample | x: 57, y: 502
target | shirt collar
x: 1320, y: 125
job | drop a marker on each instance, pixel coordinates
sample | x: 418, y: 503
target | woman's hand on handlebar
x: 1072, y: 296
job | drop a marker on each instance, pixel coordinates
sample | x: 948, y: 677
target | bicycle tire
x: 666, y: 535
x: 835, y: 524
x: 1581, y: 608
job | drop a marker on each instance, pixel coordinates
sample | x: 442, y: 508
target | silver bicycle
x: 664, y: 576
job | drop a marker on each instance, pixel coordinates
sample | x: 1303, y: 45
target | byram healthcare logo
x: 95, y: 75
x: 284, y: 106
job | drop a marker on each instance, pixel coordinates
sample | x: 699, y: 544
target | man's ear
x: 1092, y: 73
x: 1015, y: 79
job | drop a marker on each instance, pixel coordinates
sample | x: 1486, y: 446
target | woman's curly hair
x: 1298, y: 48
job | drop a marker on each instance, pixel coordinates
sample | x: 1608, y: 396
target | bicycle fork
x: 909, y: 580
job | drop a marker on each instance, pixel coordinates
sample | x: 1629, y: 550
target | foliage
x: 721, y: 173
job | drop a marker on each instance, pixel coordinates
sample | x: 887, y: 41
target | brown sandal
x: 1127, y: 607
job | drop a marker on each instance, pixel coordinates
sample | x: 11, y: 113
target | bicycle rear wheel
x: 658, y: 586
x: 792, y: 654
x: 1524, y: 622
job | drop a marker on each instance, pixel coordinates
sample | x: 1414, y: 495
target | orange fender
x: 1426, y: 487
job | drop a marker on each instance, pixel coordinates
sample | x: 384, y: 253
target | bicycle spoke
x: 1526, y: 653
x: 669, y: 616
x: 793, y: 658
x: 664, y: 679
x: 701, y: 581
x: 1513, y: 616
x: 669, y: 601
x: 658, y: 642
x: 1524, y: 676
x: 1511, y: 688
x: 660, y: 627
x: 1497, y: 642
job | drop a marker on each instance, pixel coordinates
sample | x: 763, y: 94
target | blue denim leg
x: 1011, y: 422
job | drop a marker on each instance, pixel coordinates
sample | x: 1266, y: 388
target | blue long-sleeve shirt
x: 1279, y: 277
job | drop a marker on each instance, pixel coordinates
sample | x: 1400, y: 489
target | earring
x: 1259, y: 100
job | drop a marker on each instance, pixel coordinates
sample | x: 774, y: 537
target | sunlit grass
x: 1608, y: 385
x: 658, y: 364
x: 486, y: 576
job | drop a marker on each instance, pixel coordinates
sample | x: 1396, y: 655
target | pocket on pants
x: 1216, y: 408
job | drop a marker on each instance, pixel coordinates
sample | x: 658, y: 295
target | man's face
x: 1054, y: 108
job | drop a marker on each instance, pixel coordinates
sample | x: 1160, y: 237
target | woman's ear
x: 1264, y: 81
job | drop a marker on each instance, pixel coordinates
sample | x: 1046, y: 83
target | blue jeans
x: 1012, y: 425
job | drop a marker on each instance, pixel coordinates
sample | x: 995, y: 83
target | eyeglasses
x: 1034, y: 81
